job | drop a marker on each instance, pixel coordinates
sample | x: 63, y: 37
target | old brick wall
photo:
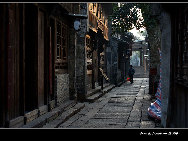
x: 62, y: 87
x: 154, y: 36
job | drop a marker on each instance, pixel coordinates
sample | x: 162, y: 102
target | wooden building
x: 97, y: 40
x: 33, y: 47
x: 178, y: 98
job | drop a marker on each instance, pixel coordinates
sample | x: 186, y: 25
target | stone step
x: 96, y: 90
x: 108, y: 88
x: 17, y: 122
x: 65, y: 116
x: 106, y: 85
x: 97, y: 95
x: 49, y: 116
x: 94, y: 97
x: 93, y: 91
x: 65, y: 105
x: 41, y: 121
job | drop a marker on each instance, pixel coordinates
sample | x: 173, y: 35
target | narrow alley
x: 123, y: 107
x: 72, y: 65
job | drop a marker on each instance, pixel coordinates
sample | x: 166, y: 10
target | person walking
x: 131, y: 73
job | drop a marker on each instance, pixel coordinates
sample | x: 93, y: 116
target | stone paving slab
x: 70, y: 121
x: 122, y: 121
x: 121, y: 100
x: 134, y: 119
x: 98, y: 125
x: 104, y: 125
x: 147, y: 124
x: 115, y: 110
x: 126, y: 97
x: 111, y: 115
x: 135, y: 114
x: 145, y: 117
x: 127, y: 93
x: 123, y: 107
x: 133, y: 124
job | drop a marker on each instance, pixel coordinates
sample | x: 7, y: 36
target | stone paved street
x: 123, y: 107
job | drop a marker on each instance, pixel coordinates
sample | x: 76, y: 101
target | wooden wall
x: 178, y: 105
x: 27, y: 51
x: 2, y: 63
x: 13, y: 63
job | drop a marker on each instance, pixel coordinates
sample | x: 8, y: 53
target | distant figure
x: 131, y: 73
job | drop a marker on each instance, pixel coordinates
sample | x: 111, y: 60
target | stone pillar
x: 165, y: 64
x: 154, y: 73
x: 81, y: 56
x: 154, y: 36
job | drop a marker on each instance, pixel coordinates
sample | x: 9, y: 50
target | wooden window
x: 62, y: 45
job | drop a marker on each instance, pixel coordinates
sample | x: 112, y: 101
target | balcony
x: 95, y: 22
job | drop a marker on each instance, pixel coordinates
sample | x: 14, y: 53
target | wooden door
x: 40, y: 58
x: 31, y: 57
x: 13, y: 93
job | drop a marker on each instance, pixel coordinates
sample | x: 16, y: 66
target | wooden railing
x: 105, y: 32
x: 95, y: 22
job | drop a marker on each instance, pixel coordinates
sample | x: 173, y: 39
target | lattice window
x: 62, y: 45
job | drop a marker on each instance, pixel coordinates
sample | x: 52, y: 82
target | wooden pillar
x: 31, y: 57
